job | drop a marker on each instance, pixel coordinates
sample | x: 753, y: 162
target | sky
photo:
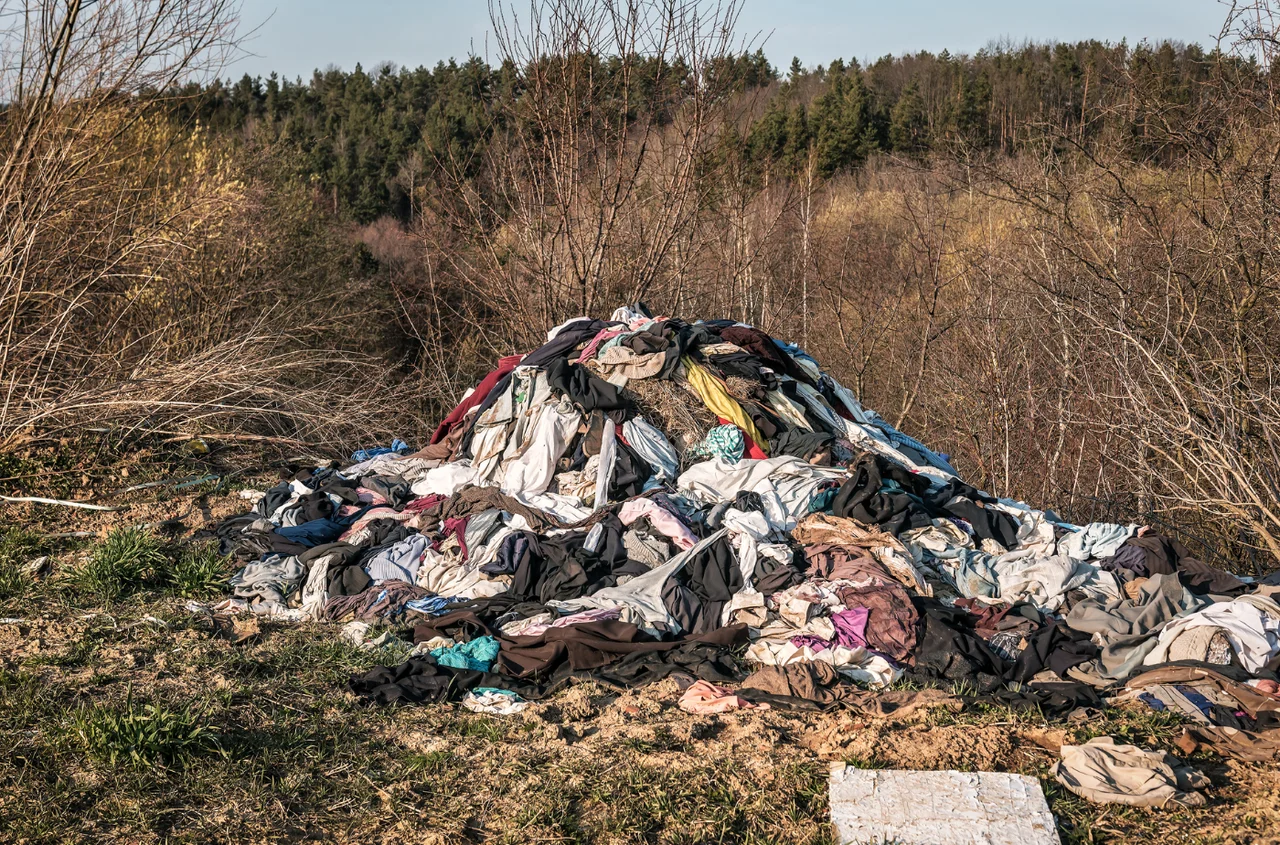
x: 295, y: 37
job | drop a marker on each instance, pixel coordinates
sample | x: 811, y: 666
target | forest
x: 368, y: 141
x: 1055, y: 262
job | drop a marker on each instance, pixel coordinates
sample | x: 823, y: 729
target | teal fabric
x: 478, y: 654
x: 723, y: 441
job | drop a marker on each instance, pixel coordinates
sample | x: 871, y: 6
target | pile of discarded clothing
x: 643, y: 497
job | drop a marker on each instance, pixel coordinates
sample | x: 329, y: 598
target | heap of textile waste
x: 643, y: 496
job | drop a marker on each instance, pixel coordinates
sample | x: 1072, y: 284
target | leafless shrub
x: 147, y: 279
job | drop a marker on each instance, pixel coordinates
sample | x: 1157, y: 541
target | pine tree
x: 843, y: 132
x: 909, y: 123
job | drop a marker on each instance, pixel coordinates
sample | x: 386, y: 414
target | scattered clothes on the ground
x: 1107, y: 773
x: 702, y: 698
x: 497, y: 702
x: 1252, y: 747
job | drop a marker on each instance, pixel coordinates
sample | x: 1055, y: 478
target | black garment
x: 1054, y: 700
x: 274, y: 499
x: 771, y: 577
x: 416, y: 680
x: 317, y: 477
x: 1153, y: 554
x: 617, y: 653
x: 741, y: 364
x: 566, y: 341
x: 630, y: 473
x: 346, y: 553
x: 311, y: 506
x: 865, y: 497
x: 341, y: 488
x: 344, y: 577
x: 587, y: 391
x: 1055, y: 647
x: 646, y: 342
x: 948, y: 649
x: 692, y: 336
x: 801, y: 444
x: 763, y: 347
x: 420, y: 679
x: 393, y: 488
x: 964, y: 501
x: 1127, y: 563
x: 765, y: 422
x: 711, y: 657
x: 384, y: 532
x: 744, y: 500
x: 565, y: 567
x: 245, y: 544
x: 697, y: 594
x: 517, y: 549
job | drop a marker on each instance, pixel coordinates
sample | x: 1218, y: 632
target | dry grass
x: 673, y: 408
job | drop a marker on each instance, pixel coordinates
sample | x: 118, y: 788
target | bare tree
x: 597, y: 171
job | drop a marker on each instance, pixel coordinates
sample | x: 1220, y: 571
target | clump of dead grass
x: 673, y: 408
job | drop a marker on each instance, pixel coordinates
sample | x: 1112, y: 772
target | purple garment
x: 851, y: 630
x: 851, y: 627
x: 816, y: 643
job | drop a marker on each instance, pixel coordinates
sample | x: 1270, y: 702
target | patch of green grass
x: 121, y: 565
x: 1132, y: 726
x: 18, y: 546
x: 479, y: 726
x: 27, y: 700
x: 140, y: 735
x: 663, y: 740
x: 429, y: 763
x: 76, y: 656
x: 198, y: 572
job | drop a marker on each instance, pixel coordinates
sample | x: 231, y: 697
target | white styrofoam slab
x: 874, y: 806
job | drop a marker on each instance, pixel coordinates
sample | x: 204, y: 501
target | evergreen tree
x: 841, y: 122
x: 909, y: 123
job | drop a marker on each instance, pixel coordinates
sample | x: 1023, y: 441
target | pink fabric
x: 851, y: 631
x: 370, y: 497
x: 660, y: 518
x: 599, y: 614
x: 589, y: 351
x: 370, y: 516
x: 703, y: 698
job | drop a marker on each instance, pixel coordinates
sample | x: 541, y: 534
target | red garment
x: 505, y: 365
x: 749, y: 447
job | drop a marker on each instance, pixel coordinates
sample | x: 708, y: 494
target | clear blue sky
x: 294, y: 37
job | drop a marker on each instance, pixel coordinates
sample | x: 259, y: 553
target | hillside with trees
x: 369, y: 141
x: 1054, y: 261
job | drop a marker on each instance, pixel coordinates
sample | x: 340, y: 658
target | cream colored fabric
x: 1107, y: 773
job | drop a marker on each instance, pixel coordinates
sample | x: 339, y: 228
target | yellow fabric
x: 720, y: 403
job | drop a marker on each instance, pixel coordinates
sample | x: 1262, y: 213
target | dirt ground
x: 141, y: 721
